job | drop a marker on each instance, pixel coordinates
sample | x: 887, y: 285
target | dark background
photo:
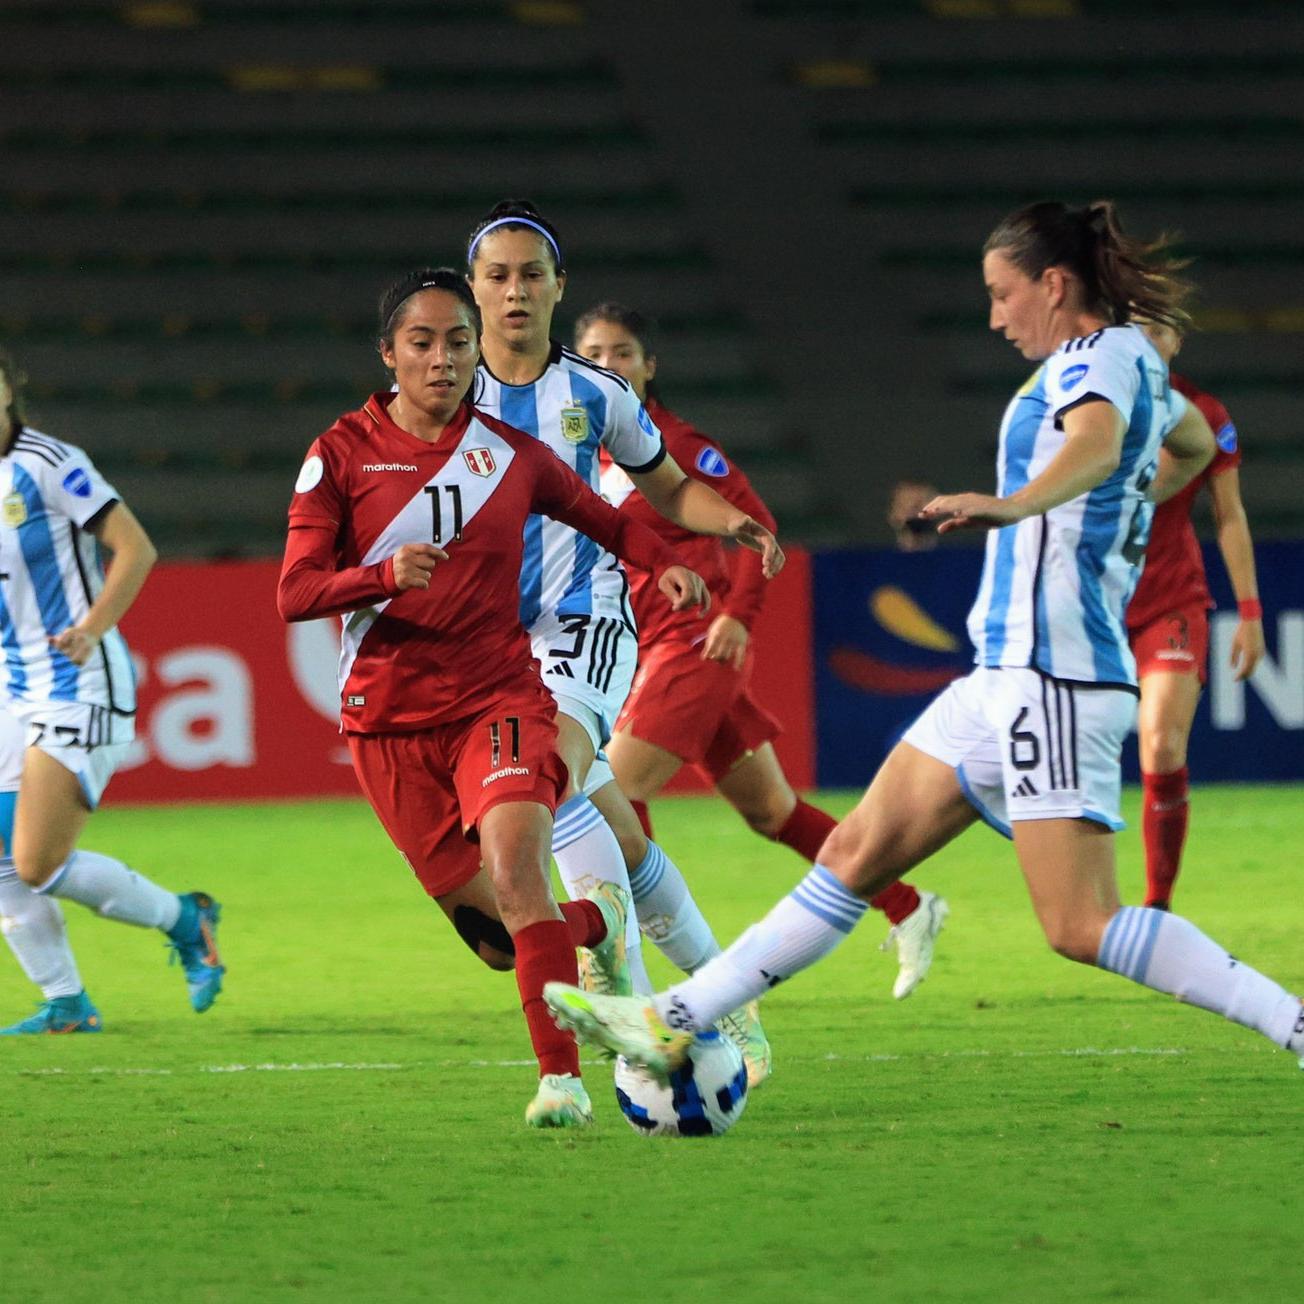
x: 201, y: 199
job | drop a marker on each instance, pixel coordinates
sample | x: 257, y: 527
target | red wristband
x: 1250, y: 609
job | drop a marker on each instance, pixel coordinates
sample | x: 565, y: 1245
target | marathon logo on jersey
x: 1073, y: 375
x: 507, y: 772
x: 480, y: 461
x: 710, y: 461
x: 1226, y: 437
x: 14, y: 509
x: 77, y: 482
x: 388, y: 466
x: 574, y: 425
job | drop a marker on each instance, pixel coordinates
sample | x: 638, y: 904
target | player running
x: 574, y: 596
x: 1168, y: 627
x: 69, y: 684
x: 1031, y: 739
x: 691, y: 703
x: 407, y: 521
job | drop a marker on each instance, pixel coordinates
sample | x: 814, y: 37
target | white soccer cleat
x: 625, y: 1025
x: 913, y: 938
x: 561, y: 1101
x: 743, y: 1028
x: 604, y: 969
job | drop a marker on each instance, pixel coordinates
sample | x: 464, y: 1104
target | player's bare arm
x: 696, y: 506
x: 1092, y: 447
x: 1233, y: 533
x: 1188, y: 448
x: 133, y: 558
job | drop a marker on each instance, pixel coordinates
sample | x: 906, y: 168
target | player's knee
x: 487, y: 937
x: 765, y: 817
x: 1167, y: 751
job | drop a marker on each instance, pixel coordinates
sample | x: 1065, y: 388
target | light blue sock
x: 802, y: 928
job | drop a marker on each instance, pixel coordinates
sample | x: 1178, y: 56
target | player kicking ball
x: 1032, y: 740
x: 407, y: 522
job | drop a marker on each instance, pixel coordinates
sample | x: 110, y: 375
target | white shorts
x: 91, y: 741
x: 1028, y: 747
x: 588, y: 665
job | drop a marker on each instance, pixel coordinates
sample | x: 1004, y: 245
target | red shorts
x: 431, y: 788
x: 700, y: 711
x: 1176, y: 643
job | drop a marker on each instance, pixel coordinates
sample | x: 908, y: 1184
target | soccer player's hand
x: 684, y: 588
x: 77, y: 645
x: 970, y: 512
x: 726, y: 641
x: 1247, y: 648
x: 752, y: 534
x: 414, y: 563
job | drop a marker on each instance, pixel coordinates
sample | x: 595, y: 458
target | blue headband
x: 511, y: 221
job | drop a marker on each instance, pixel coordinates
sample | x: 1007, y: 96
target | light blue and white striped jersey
x: 574, y: 407
x: 50, y: 573
x: 1054, y: 587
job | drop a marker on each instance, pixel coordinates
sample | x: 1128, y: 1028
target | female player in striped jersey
x: 1031, y: 740
x: 691, y: 703
x: 407, y: 521
x: 574, y: 596
x: 1168, y: 626
x: 69, y: 685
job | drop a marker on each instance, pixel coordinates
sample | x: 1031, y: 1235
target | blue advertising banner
x: 889, y: 633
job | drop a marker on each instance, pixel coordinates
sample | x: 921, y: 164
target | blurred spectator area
x: 200, y: 201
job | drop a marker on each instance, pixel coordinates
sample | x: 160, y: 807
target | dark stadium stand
x: 200, y: 199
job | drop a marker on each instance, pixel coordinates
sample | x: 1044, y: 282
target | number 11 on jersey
x: 454, y: 493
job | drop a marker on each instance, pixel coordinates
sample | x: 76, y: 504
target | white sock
x: 667, y: 913
x: 112, y: 890
x: 34, y: 928
x: 587, y: 853
x: 1172, y: 955
x: 804, y: 927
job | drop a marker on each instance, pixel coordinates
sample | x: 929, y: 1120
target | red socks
x: 805, y: 832
x: 585, y: 921
x: 640, y: 809
x: 545, y: 952
x: 1163, y: 829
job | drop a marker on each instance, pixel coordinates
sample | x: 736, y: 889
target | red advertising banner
x: 236, y: 705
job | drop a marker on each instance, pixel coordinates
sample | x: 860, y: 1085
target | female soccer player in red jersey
x: 1168, y: 627
x: 407, y: 522
x: 691, y: 703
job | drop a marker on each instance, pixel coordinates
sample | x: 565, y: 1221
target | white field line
x: 1075, y: 1052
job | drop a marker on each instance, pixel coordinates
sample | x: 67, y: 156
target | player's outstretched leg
x: 194, y: 943
x: 34, y: 928
x: 759, y: 790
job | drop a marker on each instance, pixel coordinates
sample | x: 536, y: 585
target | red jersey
x: 417, y: 657
x: 1174, y: 571
x: 737, y: 582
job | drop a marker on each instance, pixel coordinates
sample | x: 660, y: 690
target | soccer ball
x: 705, y: 1097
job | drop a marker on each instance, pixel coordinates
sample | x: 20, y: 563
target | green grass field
x: 346, y: 1123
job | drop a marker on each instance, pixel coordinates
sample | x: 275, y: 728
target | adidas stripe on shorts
x: 1026, y: 746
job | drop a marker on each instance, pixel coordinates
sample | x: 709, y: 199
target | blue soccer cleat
x: 60, y: 1014
x: 194, y: 942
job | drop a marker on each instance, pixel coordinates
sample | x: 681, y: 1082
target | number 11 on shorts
x: 513, y: 723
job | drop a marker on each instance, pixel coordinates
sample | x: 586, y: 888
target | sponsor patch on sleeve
x: 1073, y: 375
x: 645, y: 422
x: 710, y: 461
x: 77, y: 482
x: 1226, y: 437
x: 309, y: 475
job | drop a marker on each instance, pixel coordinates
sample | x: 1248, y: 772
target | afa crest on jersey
x: 480, y: 461
x: 14, y: 509
x: 574, y: 425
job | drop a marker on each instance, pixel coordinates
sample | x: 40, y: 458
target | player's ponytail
x: 1122, y: 277
x: 515, y: 215
x: 423, y: 278
x: 13, y: 415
